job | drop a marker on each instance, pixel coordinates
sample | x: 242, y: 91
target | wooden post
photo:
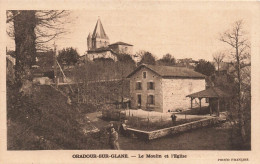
x: 200, y: 103
x: 127, y: 105
x: 218, y: 106
x: 191, y: 102
x: 210, y: 109
x: 55, y: 65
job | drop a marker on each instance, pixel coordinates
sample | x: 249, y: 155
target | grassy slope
x: 99, y: 95
x: 45, y: 121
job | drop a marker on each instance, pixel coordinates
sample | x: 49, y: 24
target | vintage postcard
x: 129, y: 81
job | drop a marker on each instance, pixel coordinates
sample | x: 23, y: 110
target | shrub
x: 45, y: 121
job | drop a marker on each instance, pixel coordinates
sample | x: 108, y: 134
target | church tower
x: 89, y: 41
x: 99, y: 37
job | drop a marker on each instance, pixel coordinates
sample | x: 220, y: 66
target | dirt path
x: 96, y: 120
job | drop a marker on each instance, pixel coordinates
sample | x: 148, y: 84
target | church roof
x: 168, y: 71
x: 99, y: 31
x: 89, y: 35
x: 121, y: 43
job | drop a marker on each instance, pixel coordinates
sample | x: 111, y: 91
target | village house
x: 164, y: 88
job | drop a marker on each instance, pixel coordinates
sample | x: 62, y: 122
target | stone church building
x: 99, y: 45
x: 164, y: 88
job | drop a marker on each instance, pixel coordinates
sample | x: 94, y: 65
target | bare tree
x: 32, y: 30
x: 218, y: 58
x: 237, y: 39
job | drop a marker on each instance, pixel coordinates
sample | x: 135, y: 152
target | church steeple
x: 98, y: 38
x: 99, y: 31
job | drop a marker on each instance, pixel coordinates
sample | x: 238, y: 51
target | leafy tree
x: 167, y: 60
x: 68, y: 56
x: 125, y: 58
x: 205, y: 67
x: 45, y: 59
x: 147, y: 58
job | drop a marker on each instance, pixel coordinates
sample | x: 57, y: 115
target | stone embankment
x: 149, y: 135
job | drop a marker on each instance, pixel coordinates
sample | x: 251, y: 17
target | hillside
x: 98, y: 95
x: 45, y: 121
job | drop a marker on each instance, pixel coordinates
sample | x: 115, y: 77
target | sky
x: 185, y: 30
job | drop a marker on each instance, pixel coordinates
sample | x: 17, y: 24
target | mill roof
x: 121, y: 43
x: 99, y: 31
x: 168, y: 71
x: 212, y: 92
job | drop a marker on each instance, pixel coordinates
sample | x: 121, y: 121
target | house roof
x: 212, y: 92
x: 121, y: 43
x: 99, y: 31
x: 168, y: 71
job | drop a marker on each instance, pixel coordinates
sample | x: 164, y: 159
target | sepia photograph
x: 143, y: 76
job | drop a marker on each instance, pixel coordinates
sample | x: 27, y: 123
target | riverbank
x: 210, y: 138
x: 217, y: 137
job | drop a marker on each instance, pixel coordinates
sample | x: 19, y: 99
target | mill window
x: 144, y: 75
x: 150, y: 85
x: 138, y: 86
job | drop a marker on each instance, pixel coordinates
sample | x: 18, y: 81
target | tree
x: 25, y: 45
x: 68, y: 56
x: 167, y: 60
x: 127, y: 64
x: 205, y: 67
x: 147, y: 58
x: 218, y: 58
x: 31, y: 30
x: 236, y: 38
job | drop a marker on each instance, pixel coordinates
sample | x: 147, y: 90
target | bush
x: 45, y: 121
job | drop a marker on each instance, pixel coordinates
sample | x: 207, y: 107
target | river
x: 212, y: 138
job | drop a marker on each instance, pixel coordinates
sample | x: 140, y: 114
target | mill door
x: 139, y: 101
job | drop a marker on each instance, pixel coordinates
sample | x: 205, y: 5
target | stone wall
x: 157, y: 92
x: 173, y: 130
x: 105, y: 54
x: 176, y: 90
x: 99, y: 42
x: 124, y: 49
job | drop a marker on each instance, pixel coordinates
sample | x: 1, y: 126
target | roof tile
x: 169, y: 71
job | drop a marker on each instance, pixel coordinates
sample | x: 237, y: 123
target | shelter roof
x: 212, y: 92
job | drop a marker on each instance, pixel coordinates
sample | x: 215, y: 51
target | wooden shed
x: 210, y: 94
